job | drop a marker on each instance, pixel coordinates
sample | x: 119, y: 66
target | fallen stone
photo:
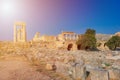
x: 114, y: 74
x: 97, y: 74
x: 48, y: 66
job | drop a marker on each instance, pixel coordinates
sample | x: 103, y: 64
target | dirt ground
x: 17, y: 68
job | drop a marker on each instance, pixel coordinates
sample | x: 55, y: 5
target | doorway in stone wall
x: 87, y: 48
x: 70, y: 46
x: 79, y: 47
x: 88, y: 76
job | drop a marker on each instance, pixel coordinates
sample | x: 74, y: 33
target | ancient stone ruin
x: 68, y: 36
x: 64, y: 40
x: 20, y: 32
x: 60, y: 54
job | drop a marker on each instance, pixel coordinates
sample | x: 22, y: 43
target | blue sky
x: 50, y: 17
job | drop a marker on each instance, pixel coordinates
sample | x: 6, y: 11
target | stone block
x: 48, y: 66
x: 97, y: 74
x: 114, y: 74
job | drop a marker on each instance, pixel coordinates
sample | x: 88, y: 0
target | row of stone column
x: 70, y: 36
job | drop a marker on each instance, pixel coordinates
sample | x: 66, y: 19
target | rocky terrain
x: 103, y: 37
x: 39, y: 63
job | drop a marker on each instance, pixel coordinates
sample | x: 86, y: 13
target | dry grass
x: 17, y: 68
x: 52, y: 74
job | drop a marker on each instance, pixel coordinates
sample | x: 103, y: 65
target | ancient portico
x: 68, y: 36
x: 19, y: 32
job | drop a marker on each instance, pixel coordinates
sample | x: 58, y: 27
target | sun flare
x: 7, y: 8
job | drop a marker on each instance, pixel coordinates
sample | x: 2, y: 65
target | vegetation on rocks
x: 88, y: 40
x: 113, y: 42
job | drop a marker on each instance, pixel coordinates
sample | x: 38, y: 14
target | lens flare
x: 7, y: 8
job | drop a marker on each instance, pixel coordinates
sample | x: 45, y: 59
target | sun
x: 7, y: 8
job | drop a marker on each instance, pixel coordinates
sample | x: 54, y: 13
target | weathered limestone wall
x: 102, y: 47
x: 65, y: 40
x: 48, y: 38
x: 59, y: 45
x: 37, y: 37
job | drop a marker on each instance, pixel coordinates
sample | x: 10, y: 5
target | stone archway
x: 79, y: 47
x: 87, y: 48
x: 88, y: 77
x: 70, y: 46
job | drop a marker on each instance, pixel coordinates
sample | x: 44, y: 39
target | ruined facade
x: 65, y: 40
x: 20, y: 32
x: 46, y: 38
x: 67, y: 36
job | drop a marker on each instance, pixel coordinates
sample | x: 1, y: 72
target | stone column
x: 24, y: 33
x: 19, y: 35
x: 66, y: 36
x: 70, y: 37
x: 73, y: 36
x: 77, y: 37
x: 15, y: 34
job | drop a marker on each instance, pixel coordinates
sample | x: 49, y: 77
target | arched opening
x: 104, y: 44
x: 88, y: 75
x: 87, y: 48
x: 69, y: 47
x: 79, y: 47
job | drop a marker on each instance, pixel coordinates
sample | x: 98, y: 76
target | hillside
x: 103, y: 37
